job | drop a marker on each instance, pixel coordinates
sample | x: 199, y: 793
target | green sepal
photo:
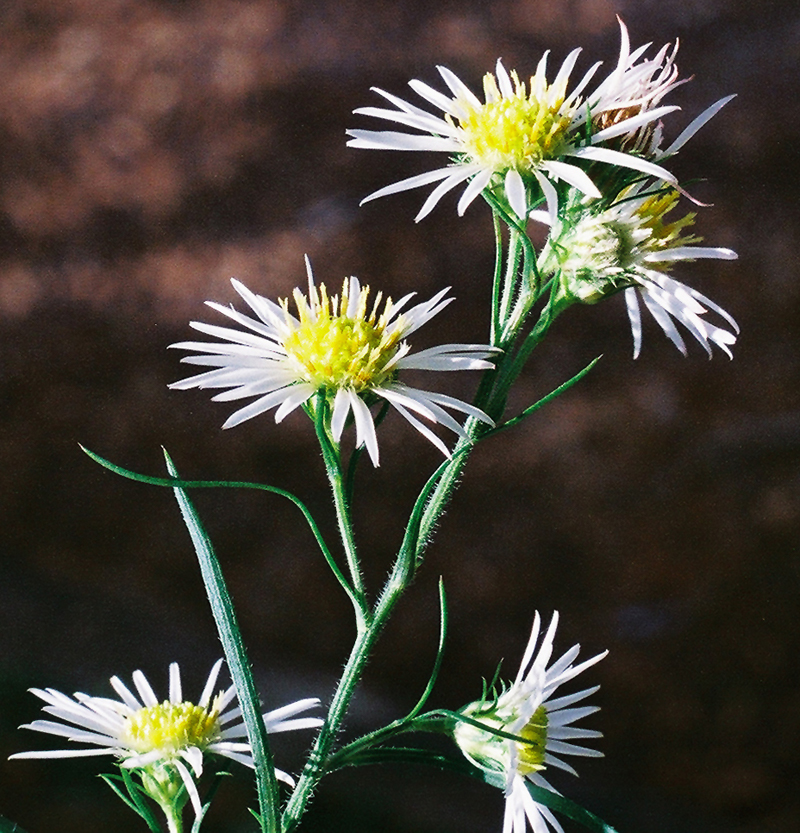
x: 235, y: 655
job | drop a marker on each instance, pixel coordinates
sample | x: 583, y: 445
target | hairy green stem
x: 496, y: 325
x: 333, y: 469
x: 353, y: 670
x: 509, y: 316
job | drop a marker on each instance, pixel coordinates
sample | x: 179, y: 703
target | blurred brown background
x: 150, y: 151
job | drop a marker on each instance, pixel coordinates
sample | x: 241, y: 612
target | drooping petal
x: 516, y: 193
x: 624, y: 160
x: 696, y: 124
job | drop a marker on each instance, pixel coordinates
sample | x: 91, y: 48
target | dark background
x: 151, y: 150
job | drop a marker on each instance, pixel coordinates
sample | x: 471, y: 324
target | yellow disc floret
x: 517, y: 131
x: 338, y: 343
x: 665, y: 235
x: 170, y: 727
x: 531, y: 753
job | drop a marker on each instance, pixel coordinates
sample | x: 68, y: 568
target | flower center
x: 341, y: 344
x: 599, y: 252
x: 493, y: 752
x: 665, y: 235
x: 531, y: 754
x: 594, y: 247
x: 517, y: 131
x: 171, y: 727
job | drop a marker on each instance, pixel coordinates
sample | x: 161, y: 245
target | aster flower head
x: 631, y: 245
x: 340, y: 345
x: 541, y: 724
x: 524, y: 139
x: 164, y: 741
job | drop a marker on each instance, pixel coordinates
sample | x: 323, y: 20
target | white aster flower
x: 520, y: 139
x: 163, y: 740
x: 527, y: 710
x: 631, y: 245
x: 337, y: 345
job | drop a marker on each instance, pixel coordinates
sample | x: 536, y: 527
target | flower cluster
x: 585, y: 159
x: 525, y: 145
x: 164, y: 741
x: 522, y: 140
x: 630, y: 246
x: 541, y: 726
x: 341, y: 346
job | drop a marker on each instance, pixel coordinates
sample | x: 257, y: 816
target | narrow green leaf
x: 198, y: 819
x: 138, y: 796
x: 411, y: 549
x: 377, y: 755
x: 568, y: 808
x: 209, y: 797
x: 545, y: 399
x: 413, y: 755
x: 172, y: 482
x: 236, y: 656
x: 133, y: 800
x: 7, y: 826
x: 437, y: 663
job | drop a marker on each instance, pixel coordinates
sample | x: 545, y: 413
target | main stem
x: 491, y: 398
x: 359, y: 655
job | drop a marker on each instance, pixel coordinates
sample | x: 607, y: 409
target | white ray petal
x: 475, y: 187
x: 423, y: 429
x: 274, y: 717
x: 191, y: 787
x: 631, y: 124
x: 208, y: 689
x: 624, y: 160
x: 635, y: 318
x: 445, y: 104
x: 516, y: 193
x: 503, y: 80
x: 145, y: 691
x: 691, y: 253
x: 426, y: 122
x: 341, y: 410
x: 392, y: 140
x: 365, y: 427
x: 175, y: 692
x: 665, y: 322
x: 293, y: 400
x: 408, y: 184
x: 696, y: 124
x: 49, y: 727
x: 458, y: 87
x: 573, y: 176
x: 65, y: 753
x: 550, y: 196
x: 261, y: 405
x: 456, y: 177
